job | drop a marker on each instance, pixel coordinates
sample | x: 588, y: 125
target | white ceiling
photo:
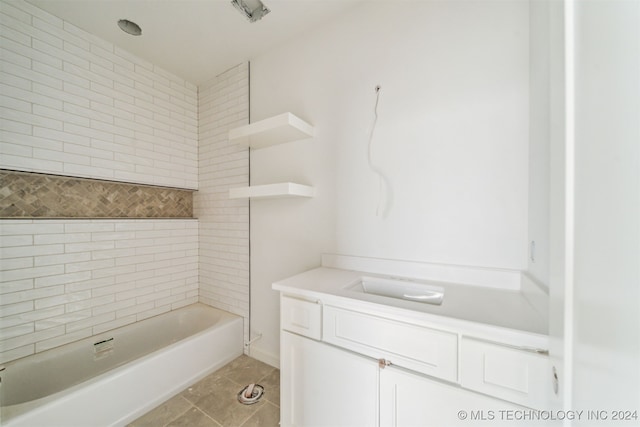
x: 194, y: 39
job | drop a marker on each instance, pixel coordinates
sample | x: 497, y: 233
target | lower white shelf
x: 281, y: 189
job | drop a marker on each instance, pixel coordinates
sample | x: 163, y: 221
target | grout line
x: 251, y: 415
x: 191, y: 405
x: 256, y: 412
x: 207, y: 415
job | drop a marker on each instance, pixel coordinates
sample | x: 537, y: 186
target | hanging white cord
x: 382, y: 179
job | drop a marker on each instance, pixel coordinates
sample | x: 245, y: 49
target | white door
x: 595, y: 207
x: 408, y: 399
x: 322, y: 385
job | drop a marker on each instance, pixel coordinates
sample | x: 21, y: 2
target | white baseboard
x: 264, y: 356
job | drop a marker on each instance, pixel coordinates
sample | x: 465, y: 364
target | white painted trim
x: 264, y: 356
x: 569, y: 70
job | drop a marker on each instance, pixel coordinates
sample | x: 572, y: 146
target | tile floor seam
x: 207, y: 415
x: 191, y: 405
x: 247, y: 419
x: 265, y: 376
x: 266, y: 403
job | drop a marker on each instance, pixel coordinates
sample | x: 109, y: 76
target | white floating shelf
x: 282, y: 189
x: 275, y: 130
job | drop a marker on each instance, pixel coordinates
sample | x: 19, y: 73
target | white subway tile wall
x: 224, y: 223
x: 63, y: 280
x: 74, y: 104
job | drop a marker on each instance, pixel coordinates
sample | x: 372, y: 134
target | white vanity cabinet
x: 425, y: 350
x: 408, y: 399
x: 324, y: 386
x: 356, y: 361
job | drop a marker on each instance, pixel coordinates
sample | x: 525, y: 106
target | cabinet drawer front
x: 301, y: 317
x: 414, y: 347
x: 515, y: 375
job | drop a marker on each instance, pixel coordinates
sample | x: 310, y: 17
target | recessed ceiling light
x: 130, y: 27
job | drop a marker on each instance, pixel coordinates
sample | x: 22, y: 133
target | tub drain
x: 250, y: 394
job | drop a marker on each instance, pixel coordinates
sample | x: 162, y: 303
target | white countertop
x: 500, y: 315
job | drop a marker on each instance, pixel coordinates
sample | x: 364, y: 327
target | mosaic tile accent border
x: 34, y: 195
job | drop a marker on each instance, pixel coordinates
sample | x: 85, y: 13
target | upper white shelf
x: 272, y: 191
x: 275, y: 130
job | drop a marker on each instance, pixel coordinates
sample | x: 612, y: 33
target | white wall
x: 539, y: 139
x: 73, y: 104
x: 224, y: 223
x: 452, y: 138
x: 606, y: 297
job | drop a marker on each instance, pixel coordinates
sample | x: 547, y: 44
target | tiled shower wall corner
x: 74, y: 104
x: 64, y: 280
x: 224, y: 223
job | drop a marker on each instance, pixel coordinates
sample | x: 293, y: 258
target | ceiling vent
x: 253, y: 10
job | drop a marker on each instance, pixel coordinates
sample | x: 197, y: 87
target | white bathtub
x: 113, y: 383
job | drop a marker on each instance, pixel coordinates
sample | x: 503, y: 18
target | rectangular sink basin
x: 400, y: 289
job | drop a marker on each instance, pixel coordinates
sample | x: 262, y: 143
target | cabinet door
x: 408, y: 399
x: 325, y: 386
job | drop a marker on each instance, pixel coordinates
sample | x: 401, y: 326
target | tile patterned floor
x: 212, y: 402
